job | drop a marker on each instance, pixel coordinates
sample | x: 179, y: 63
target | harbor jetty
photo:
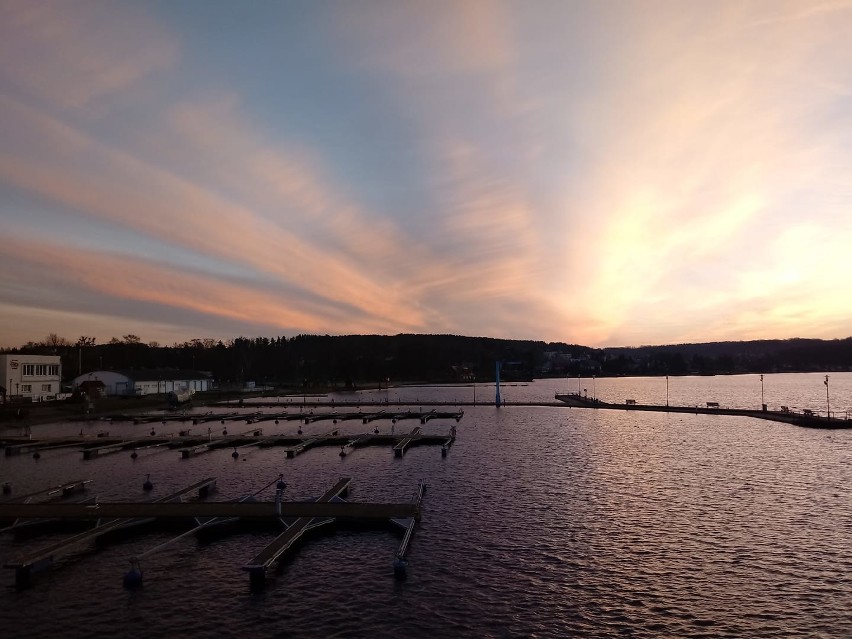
x: 806, y: 418
x: 296, y: 517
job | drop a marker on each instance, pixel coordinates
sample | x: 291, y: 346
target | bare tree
x: 55, y: 340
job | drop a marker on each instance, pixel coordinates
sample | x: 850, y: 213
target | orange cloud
x: 119, y: 188
x: 99, y: 274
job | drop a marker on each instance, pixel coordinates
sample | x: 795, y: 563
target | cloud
x: 96, y: 279
x: 707, y: 153
x: 601, y: 173
x: 117, y: 187
x: 76, y: 55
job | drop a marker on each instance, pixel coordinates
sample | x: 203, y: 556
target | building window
x: 42, y: 370
x: 46, y: 387
x: 26, y: 388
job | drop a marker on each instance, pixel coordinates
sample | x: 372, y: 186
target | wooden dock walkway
x: 110, y: 517
x: 711, y: 408
x: 400, y: 563
x: 64, y: 489
x: 258, y: 566
x: 292, y: 451
x: 202, y: 509
x: 26, y: 566
x: 399, y: 449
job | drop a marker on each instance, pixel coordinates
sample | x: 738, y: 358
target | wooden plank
x: 66, y: 488
x: 399, y: 449
x: 188, y: 510
x: 44, y: 557
x: 258, y: 566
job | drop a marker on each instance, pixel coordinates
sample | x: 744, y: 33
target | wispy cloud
x: 75, y: 55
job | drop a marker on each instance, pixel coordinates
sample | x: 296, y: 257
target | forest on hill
x: 357, y: 360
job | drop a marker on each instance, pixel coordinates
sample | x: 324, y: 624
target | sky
x: 597, y: 172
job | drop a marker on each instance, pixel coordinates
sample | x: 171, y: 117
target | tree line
x: 357, y: 360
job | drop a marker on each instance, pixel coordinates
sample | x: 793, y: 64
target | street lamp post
x: 762, y: 402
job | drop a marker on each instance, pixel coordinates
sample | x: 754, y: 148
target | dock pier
x: 709, y: 408
x: 400, y: 564
x: 399, y: 449
x: 28, y: 565
x: 258, y: 566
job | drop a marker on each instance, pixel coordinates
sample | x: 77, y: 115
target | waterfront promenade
x: 710, y: 408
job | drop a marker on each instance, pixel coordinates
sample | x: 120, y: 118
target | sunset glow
x: 603, y: 173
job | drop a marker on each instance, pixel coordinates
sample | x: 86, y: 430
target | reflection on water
x: 540, y: 522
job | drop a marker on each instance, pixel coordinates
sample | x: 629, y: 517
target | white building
x: 34, y: 377
x: 148, y: 381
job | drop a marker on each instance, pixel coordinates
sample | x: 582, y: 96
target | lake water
x: 540, y: 522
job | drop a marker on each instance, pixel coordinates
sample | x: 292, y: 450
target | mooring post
x: 279, y: 490
x: 497, y: 401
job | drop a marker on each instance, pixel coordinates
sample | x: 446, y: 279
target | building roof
x: 161, y: 374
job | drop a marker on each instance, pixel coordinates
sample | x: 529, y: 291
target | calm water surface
x: 541, y: 522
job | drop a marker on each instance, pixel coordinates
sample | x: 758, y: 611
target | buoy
x: 134, y: 455
x: 133, y: 577
x: 276, y: 421
x: 36, y: 455
x: 147, y: 485
x: 224, y: 431
x: 299, y: 431
x: 399, y: 567
x: 444, y: 450
x: 7, y: 488
x: 342, y: 451
x: 376, y: 430
x: 153, y: 432
x: 235, y: 454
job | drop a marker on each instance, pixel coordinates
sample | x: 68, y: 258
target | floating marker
x: 133, y: 577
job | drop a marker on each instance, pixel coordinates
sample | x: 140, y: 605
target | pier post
x: 497, y: 400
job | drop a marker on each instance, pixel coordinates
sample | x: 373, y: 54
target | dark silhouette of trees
x: 307, y: 362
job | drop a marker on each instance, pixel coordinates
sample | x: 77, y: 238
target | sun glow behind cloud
x: 602, y: 173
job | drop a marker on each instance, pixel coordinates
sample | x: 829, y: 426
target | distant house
x: 136, y: 382
x: 34, y: 378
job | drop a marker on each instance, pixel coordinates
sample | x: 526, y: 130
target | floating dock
x: 41, y: 559
x: 710, y: 408
x: 258, y: 566
x: 298, y: 517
